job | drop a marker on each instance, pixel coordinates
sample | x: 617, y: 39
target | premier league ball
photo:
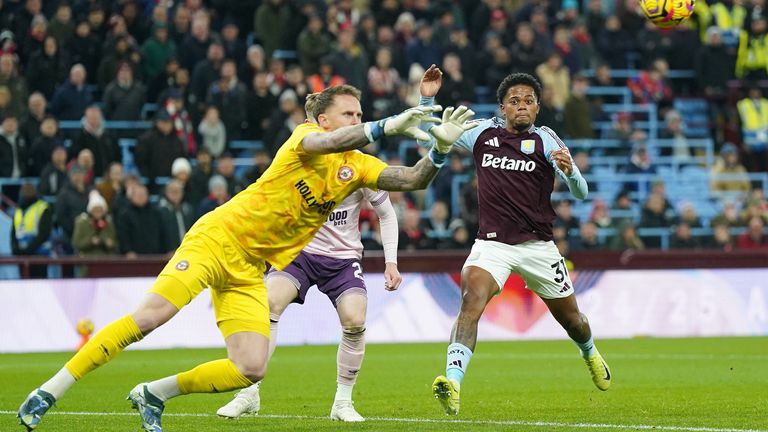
x: 667, y: 13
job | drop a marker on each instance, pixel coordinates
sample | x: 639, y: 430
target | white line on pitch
x: 414, y: 420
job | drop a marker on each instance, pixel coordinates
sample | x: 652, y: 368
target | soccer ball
x: 667, y: 13
x: 84, y: 327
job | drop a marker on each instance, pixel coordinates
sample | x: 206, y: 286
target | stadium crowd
x: 206, y: 91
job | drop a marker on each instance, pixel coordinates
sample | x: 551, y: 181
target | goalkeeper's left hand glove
x: 454, y: 124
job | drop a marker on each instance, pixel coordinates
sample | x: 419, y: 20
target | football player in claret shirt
x: 516, y: 164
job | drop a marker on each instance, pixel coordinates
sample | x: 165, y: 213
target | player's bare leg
x: 351, y: 307
x: 153, y: 312
x: 477, y: 288
x: 566, y: 312
x: 281, y: 292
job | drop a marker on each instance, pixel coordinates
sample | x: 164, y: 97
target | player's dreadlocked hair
x: 517, y: 79
x: 318, y: 102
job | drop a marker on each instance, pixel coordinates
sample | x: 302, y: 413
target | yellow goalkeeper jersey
x: 275, y: 217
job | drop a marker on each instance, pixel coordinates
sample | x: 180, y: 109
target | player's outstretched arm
x: 357, y: 136
x: 454, y: 124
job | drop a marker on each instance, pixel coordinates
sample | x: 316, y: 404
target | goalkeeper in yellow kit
x: 271, y: 221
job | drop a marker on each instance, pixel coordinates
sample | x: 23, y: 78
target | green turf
x: 680, y: 384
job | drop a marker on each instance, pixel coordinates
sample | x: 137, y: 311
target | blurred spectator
x: 423, y: 49
x: 122, y: 51
x: 84, y: 48
x: 367, y: 33
x: 217, y: 195
x: 582, y: 44
x: 565, y: 216
x: 388, y: 12
x: 94, y: 233
x: 436, y: 227
x: 167, y: 78
x: 72, y: 97
x: 29, y: 124
x: 653, y: 43
x: 588, y: 238
x: 13, y: 148
x: 62, y: 26
x: 212, y: 132
x: 577, y: 112
x: 287, y: 105
x: 85, y: 160
x: 140, y: 226
x: 412, y: 235
x: 276, y: 76
x: 728, y: 174
x: 228, y: 94
x: 111, y: 185
x: 753, y: 207
x: 15, y: 83
x: 182, y: 122
x: 654, y: 215
x: 158, y: 148
x: 206, y: 73
x: 600, y: 215
x: 196, y: 42
x: 683, y: 239
x: 94, y: 138
x: 627, y: 238
x: 674, y: 130
x: 752, y: 58
x: 728, y: 216
x: 179, y: 31
x: 177, y: 215
x: 549, y: 114
x: 499, y: 65
x: 721, y: 238
x: 442, y: 185
x: 383, y: 80
x: 225, y: 167
x: 525, y: 53
x: 639, y: 163
x: 42, y: 146
x: 460, y: 236
x: 181, y: 171
x: 47, y: 67
x: 689, y: 215
x: 753, y: 113
x: 234, y: 47
x: 53, y: 176
x: 312, y: 45
x: 269, y: 23
x: 124, y: 97
x: 296, y: 82
x: 254, y: 63
x: 349, y: 59
x: 261, y: 161
x: 555, y: 76
x: 97, y: 21
x: 71, y: 200
x: 754, y: 237
x: 457, y: 89
x: 613, y: 43
x: 157, y: 51
x: 260, y: 105
x: 385, y: 38
x: 197, y: 187
x: 652, y: 86
x: 325, y: 77
x: 714, y: 67
x: 135, y: 23
x: 32, y: 224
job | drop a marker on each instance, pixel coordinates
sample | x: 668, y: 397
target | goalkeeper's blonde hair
x: 318, y: 103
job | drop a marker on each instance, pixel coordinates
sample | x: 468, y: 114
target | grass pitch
x: 698, y: 385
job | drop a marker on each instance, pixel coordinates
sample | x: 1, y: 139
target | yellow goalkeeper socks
x: 104, y: 346
x: 212, y: 377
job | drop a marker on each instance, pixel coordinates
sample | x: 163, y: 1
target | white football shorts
x: 539, y: 263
